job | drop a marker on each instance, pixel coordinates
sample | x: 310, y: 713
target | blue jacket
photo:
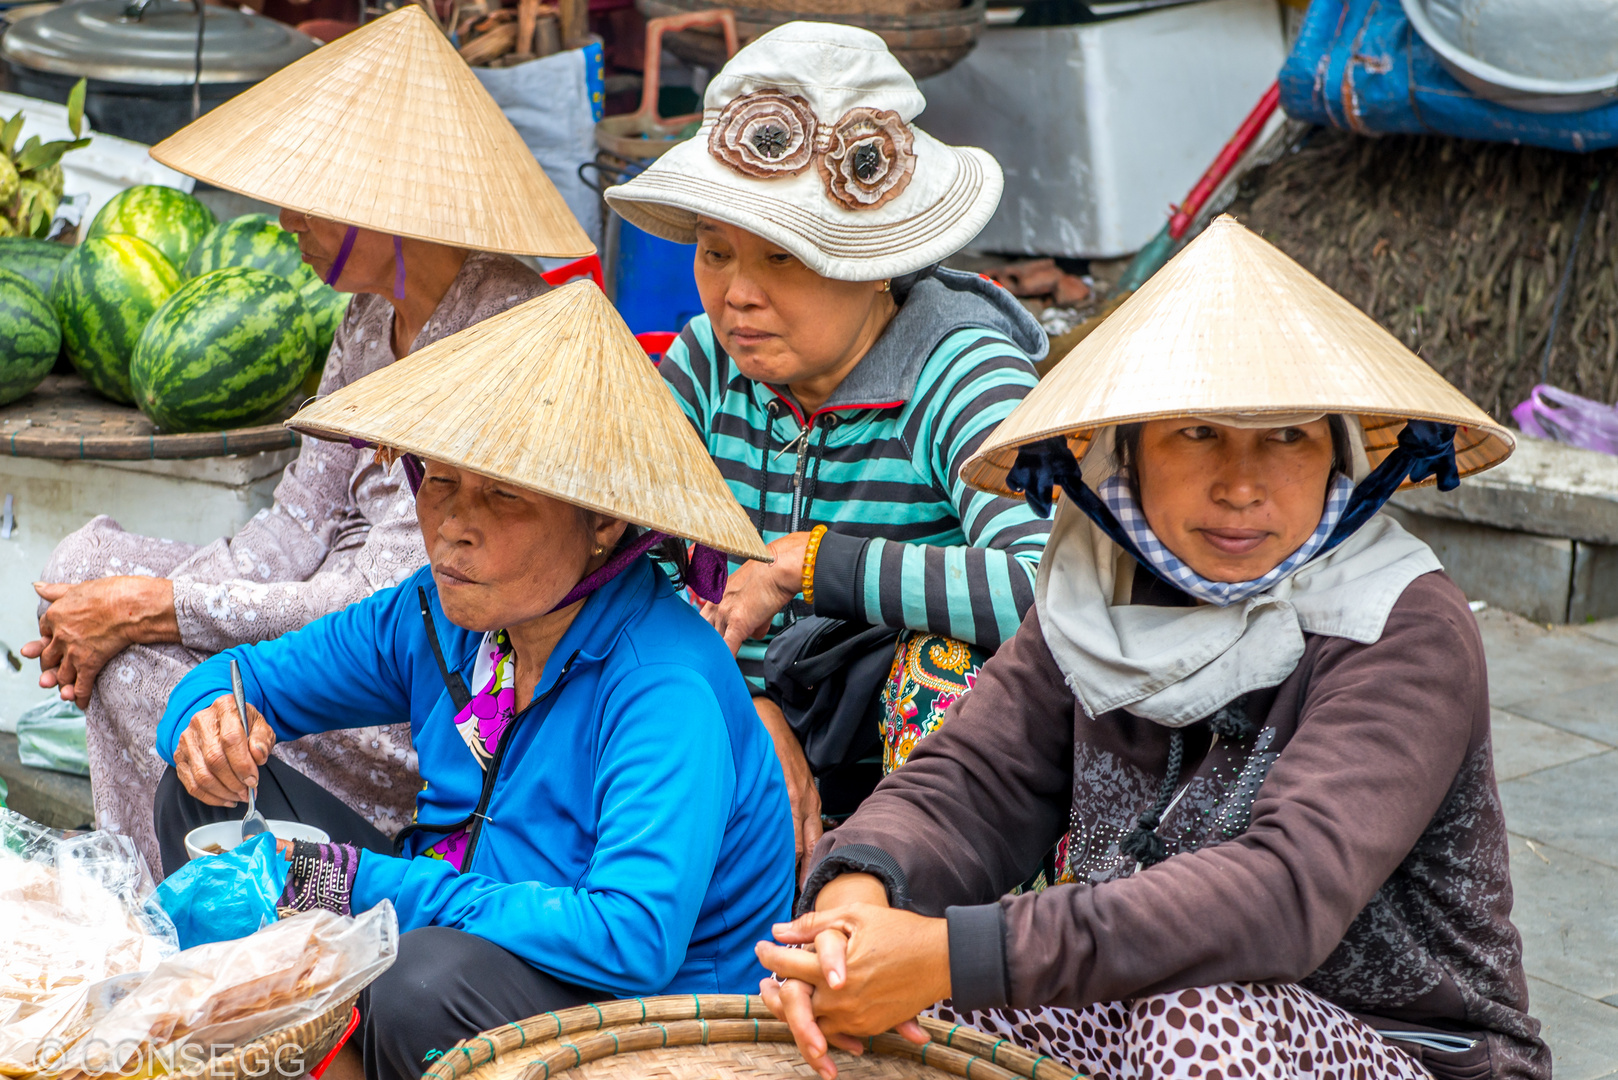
x: 637, y: 839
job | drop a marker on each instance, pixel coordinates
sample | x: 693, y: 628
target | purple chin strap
x: 347, y: 249
x: 708, y: 569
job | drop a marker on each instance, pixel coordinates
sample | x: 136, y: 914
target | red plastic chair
x: 589, y: 266
x: 656, y: 342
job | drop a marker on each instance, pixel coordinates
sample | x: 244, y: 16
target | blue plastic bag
x: 1360, y: 66
x: 224, y: 897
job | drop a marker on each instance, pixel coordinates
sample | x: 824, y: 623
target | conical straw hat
x: 1231, y: 325
x: 556, y: 396
x: 388, y: 129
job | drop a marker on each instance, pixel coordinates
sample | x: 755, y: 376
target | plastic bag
x: 1555, y: 414
x: 223, y: 897
x: 211, y: 999
x: 50, y: 735
x: 74, y: 913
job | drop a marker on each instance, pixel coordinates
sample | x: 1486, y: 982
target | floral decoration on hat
x: 869, y: 158
x: 766, y: 133
x: 866, y: 159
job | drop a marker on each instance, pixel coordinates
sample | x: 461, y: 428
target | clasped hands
x: 88, y: 624
x: 855, y: 967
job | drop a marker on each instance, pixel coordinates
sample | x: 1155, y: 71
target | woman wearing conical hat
x: 1258, y: 704
x: 407, y: 187
x: 602, y: 814
x: 841, y: 378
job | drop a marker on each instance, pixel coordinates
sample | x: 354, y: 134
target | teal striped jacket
x: 909, y: 544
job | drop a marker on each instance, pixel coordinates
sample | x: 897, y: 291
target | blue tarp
x: 1360, y: 66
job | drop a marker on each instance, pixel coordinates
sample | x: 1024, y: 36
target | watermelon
x: 254, y: 240
x: 29, y: 336
x: 104, y: 292
x: 35, y: 260
x: 326, y: 305
x: 229, y: 349
x: 163, y: 216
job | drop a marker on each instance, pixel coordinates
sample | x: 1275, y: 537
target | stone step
x: 59, y: 800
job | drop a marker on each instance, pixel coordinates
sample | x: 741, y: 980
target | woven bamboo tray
x: 925, y: 42
x: 300, y: 1048
x: 63, y: 419
x: 717, y: 1037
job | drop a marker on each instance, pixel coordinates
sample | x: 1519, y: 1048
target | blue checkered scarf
x: 1121, y: 501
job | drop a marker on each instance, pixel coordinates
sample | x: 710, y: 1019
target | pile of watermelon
x: 204, y: 325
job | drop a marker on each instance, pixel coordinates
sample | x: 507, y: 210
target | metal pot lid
x: 115, y: 41
x: 1526, y: 53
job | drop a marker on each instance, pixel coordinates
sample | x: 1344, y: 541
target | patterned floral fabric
x: 1228, y: 1032
x: 482, y: 724
x: 929, y: 672
x: 342, y: 526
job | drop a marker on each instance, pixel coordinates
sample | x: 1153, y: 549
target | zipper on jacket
x: 480, y: 815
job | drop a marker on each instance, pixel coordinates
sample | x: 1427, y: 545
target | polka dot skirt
x: 1227, y: 1032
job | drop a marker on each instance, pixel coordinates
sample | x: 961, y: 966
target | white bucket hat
x: 807, y: 141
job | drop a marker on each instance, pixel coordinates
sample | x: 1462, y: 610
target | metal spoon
x: 254, y: 822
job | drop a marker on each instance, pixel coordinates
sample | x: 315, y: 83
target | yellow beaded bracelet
x: 809, y: 552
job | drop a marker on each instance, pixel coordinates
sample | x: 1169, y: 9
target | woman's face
x: 1233, y: 502
x: 779, y: 320
x: 370, y: 266
x: 502, y: 555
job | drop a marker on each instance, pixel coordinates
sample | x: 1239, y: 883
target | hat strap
x: 1043, y: 466
x: 343, y: 253
x: 398, y: 268
x: 709, y: 570
x: 1426, y: 448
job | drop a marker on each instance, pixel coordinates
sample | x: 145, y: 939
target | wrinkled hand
x: 87, y: 625
x: 871, y: 968
x: 215, y: 759
x: 756, y: 592
x: 801, y: 790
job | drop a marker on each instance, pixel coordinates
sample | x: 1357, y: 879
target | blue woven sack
x: 1360, y: 66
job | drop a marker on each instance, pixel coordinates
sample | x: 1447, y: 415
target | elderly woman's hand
x: 217, y: 759
x: 756, y: 592
x: 871, y: 968
x: 87, y: 625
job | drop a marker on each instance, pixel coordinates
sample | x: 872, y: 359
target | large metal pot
x: 142, y: 62
x: 1547, y: 56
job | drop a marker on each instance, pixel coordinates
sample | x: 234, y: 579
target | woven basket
x: 728, y: 1037
x: 257, y: 1060
x: 925, y: 42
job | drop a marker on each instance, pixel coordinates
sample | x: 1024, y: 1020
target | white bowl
x: 227, y: 834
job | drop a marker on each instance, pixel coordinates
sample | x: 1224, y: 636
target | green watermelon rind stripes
x: 165, y: 217
x: 104, y: 292
x: 326, y: 304
x: 35, y: 260
x: 254, y: 240
x: 30, y: 338
x: 229, y: 349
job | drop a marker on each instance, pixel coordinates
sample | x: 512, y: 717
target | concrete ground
x: 1555, y: 697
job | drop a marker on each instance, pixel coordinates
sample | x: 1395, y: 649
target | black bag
x: 827, y: 676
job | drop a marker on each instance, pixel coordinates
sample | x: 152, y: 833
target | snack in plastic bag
x: 73, y: 913
x: 225, y: 896
x: 211, y: 999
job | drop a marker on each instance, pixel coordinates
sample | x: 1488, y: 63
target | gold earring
x: 887, y: 286
x: 599, y: 549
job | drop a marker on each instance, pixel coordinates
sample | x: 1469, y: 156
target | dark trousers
x: 284, y: 794
x: 445, y: 985
x: 448, y: 985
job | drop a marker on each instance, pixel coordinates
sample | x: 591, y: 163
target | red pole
x: 1232, y: 153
